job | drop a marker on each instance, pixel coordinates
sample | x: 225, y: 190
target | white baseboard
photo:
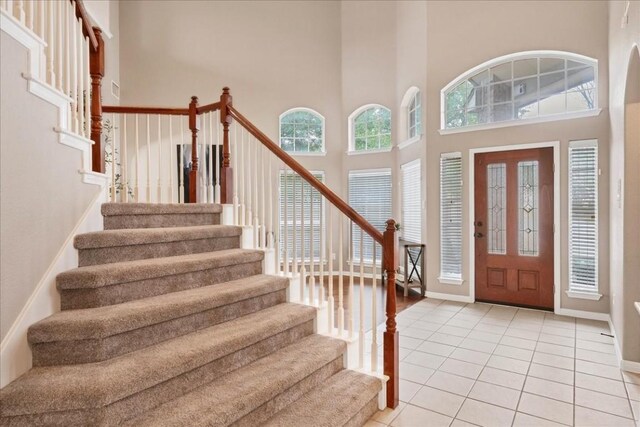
x: 583, y: 314
x: 625, y: 365
x: 449, y: 297
x: 15, y: 354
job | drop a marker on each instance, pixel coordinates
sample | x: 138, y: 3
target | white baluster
x: 59, y: 38
x: 256, y: 224
x: 148, y: 195
x: 362, y: 308
x: 68, y: 21
x: 113, y: 158
x: 51, y: 74
x: 9, y: 6
x: 350, y: 296
x: 234, y: 164
x: 181, y: 177
x: 41, y: 17
x: 330, y: 256
x: 81, y: 95
x: 30, y: 17
x: 295, y: 227
x: 263, y: 196
x: 303, y: 272
x: 123, y: 160
x: 340, y: 279
x: 241, y: 176
x: 21, y: 14
x: 75, y: 96
x: 87, y: 88
x: 160, y: 158
x: 212, y: 131
x: 374, y: 313
x: 312, y: 279
x: 249, y: 198
x: 271, y: 241
x: 285, y: 178
x: 322, y: 253
x: 217, y: 166
x: 136, y: 188
x: 172, y: 164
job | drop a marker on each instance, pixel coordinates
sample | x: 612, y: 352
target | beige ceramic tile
x: 458, y: 367
x: 483, y: 346
x: 436, y: 348
x: 603, y: 402
x: 412, y: 416
x: 548, y: 409
x: 437, y: 400
x: 408, y: 389
x: 558, y: 350
x: 557, y: 339
x: 446, y: 339
x: 603, y: 385
x: 415, y: 373
x: 553, y: 360
x: 508, y: 364
x: 550, y: 389
x: 598, y: 369
x: 503, y: 378
x: 484, y: 414
x: 526, y: 420
x: 495, y: 394
x: 472, y: 356
x: 591, y: 418
x: 518, y: 342
x: 563, y: 376
x: 513, y: 352
x: 452, y: 383
x: 425, y: 359
x: 387, y: 415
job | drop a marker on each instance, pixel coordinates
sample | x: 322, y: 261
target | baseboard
x: 625, y: 365
x: 15, y: 354
x: 449, y: 297
x: 583, y: 314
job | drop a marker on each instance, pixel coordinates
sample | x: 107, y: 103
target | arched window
x: 370, y: 129
x: 525, y: 86
x: 302, y: 131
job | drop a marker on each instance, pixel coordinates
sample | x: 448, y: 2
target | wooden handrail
x: 332, y: 197
x: 87, y: 26
x: 145, y: 110
x: 209, y: 107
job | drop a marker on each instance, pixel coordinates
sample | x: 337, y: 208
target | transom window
x: 370, y: 129
x: 521, y: 86
x: 302, y: 131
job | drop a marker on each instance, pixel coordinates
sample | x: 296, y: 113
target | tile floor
x: 489, y: 365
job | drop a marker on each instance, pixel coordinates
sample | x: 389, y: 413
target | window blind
x: 583, y: 216
x: 370, y: 196
x: 291, y: 189
x: 411, y: 202
x: 451, y: 216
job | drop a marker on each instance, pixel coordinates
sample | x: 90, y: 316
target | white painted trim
x: 303, y: 153
x: 593, y: 296
x: 357, y: 153
x: 450, y: 281
x: 94, y: 178
x: 15, y: 355
x: 581, y: 314
x: 556, y: 212
x: 409, y: 142
x: 350, y: 141
x: 630, y: 366
x: 448, y: 297
x: 625, y: 365
x: 27, y: 38
x: 520, y: 122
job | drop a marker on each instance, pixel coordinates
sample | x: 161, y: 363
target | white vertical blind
x: 370, y: 196
x: 294, y: 184
x: 451, y: 216
x: 583, y: 216
x: 411, y: 202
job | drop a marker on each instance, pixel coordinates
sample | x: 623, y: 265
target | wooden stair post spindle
x: 226, y: 172
x: 193, y: 173
x: 96, y: 69
x: 391, y: 338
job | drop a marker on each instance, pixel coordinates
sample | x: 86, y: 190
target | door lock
x: 478, y: 235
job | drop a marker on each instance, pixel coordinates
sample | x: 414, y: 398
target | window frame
x: 445, y: 277
x: 405, y: 118
x: 574, y: 291
x: 516, y: 122
x: 406, y: 166
x: 323, y: 152
x: 351, y: 150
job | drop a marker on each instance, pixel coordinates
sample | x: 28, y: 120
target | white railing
x: 65, y: 65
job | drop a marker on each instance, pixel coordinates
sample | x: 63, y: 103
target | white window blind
x: 451, y: 216
x: 370, y: 196
x: 291, y: 188
x: 411, y: 202
x: 583, y: 216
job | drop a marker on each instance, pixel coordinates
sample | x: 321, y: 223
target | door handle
x: 478, y: 235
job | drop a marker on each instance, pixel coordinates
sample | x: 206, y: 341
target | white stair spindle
x: 322, y: 252
x: 160, y: 158
x: 148, y: 195
x: 136, y: 189
x: 312, y: 279
x: 271, y: 240
x: 234, y: 164
x: 212, y: 131
x: 217, y: 165
x: 68, y: 21
x: 81, y: 94
x: 340, y: 279
x: 303, y: 272
x: 41, y: 17
x: 241, y: 177
x: 256, y: 224
x: 124, y: 196
x: 87, y: 89
x: 59, y: 40
x: 21, y: 13
x: 374, y: 313
x: 75, y: 96
x: 330, y: 257
x: 113, y: 158
x: 249, y: 181
x: 50, y: 39
x: 285, y: 214
x: 294, y: 220
x: 30, y: 14
x: 181, y: 161
x: 263, y: 196
x: 350, y: 295
x: 172, y: 164
x: 362, y: 306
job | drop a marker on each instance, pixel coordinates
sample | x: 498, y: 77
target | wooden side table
x: 411, y: 262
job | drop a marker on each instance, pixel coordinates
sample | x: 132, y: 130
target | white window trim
x: 442, y: 278
x: 351, y: 138
x: 409, y: 142
x: 512, y: 57
x: 404, y: 117
x: 404, y: 166
x: 583, y: 293
x: 323, y: 152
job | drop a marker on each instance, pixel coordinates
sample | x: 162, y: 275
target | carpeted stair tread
x: 94, y: 385
x: 111, y: 209
x: 110, y: 320
x: 146, y: 236
x: 332, y: 404
x: 96, y: 276
x: 240, y: 392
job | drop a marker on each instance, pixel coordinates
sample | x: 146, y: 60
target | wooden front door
x: 513, y: 227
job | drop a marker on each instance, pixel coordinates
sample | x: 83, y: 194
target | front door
x: 513, y: 227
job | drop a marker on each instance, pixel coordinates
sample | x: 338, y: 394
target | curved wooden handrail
x: 307, y: 176
x: 209, y: 107
x: 145, y: 110
x: 87, y: 26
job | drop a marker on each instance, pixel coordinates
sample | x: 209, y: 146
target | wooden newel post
x: 96, y: 70
x: 391, y: 337
x: 226, y: 172
x: 193, y: 173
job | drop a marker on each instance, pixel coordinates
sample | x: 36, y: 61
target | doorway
x: 513, y: 227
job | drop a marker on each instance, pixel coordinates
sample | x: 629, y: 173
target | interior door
x: 513, y: 227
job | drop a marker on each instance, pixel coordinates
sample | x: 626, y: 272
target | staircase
x: 167, y: 322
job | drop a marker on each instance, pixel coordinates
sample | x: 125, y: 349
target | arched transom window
x: 370, y: 128
x: 302, y: 131
x: 521, y: 86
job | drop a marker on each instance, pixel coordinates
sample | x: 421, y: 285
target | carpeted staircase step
x: 251, y: 395
x: 109, y: 246
x: 348, y: 398
x: 153, y: 215
x: 95, y: 334
x: 107, y: 284
x: 105, y: 393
